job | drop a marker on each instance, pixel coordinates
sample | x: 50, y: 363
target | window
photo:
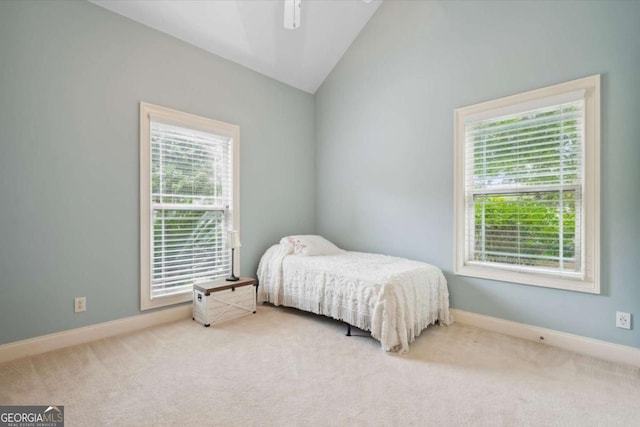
x: 527, y: 187
x: 188, y: 202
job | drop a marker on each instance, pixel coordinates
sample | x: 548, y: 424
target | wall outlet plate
x: 80, y: 304
x: 623, y: 320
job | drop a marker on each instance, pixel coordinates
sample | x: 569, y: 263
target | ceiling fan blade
x: 292, y: 10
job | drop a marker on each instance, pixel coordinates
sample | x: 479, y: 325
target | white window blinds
x: 524, y: 189
x: 527, y: 187
x: 191, y: 207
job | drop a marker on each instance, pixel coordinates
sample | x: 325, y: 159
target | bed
x: 393, y: 298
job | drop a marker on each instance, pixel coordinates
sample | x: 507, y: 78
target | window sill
x: 147, y: 303
x: 532, y: 279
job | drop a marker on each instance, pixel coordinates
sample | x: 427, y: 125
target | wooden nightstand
x: 217, y: 301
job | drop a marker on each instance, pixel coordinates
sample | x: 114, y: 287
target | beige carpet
x: 285, y: 368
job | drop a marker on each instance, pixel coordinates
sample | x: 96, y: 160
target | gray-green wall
x: 384, y: 139
x: 71, y: 78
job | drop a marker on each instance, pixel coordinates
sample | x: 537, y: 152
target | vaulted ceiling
x: 251, y: 32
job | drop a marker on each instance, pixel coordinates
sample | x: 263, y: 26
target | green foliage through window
x: 190, y: 196
x: 524, y: 187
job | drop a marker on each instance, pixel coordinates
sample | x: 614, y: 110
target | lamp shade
x: 234, y: 239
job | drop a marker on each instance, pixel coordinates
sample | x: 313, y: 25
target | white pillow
x: 310, y: 245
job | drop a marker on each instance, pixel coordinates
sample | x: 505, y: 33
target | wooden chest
x: 215, y: 302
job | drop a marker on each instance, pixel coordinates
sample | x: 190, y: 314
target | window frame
x: 590, y: 203
x: 187, y: 120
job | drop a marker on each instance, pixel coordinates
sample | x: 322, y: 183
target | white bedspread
x: 394, y: 298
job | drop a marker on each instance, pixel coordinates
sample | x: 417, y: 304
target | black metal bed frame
x: 349, y: 334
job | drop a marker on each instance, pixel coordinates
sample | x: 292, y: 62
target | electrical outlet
x: 623, y: 320
x: 80, y: 304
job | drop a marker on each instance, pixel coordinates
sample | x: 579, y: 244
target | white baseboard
x: 37, y: 345
x: 588, y: 346
x: 576, y: 343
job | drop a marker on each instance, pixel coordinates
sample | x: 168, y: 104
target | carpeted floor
x: 282, y: 367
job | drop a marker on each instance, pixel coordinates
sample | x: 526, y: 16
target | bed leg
x: 348, y: 330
